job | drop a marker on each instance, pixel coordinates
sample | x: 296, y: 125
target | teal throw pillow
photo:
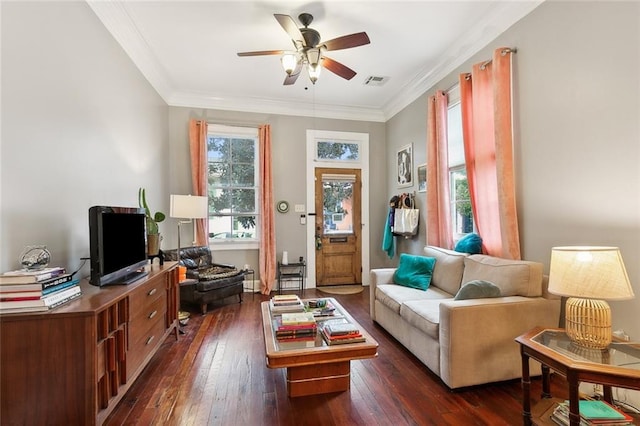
x: 414, y: 271
x: 470, y: 243
x: 477, y: 289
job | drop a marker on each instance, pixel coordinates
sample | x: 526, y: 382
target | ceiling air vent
x: 375, y: 81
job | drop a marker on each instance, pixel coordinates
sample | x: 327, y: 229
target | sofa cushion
x: 513, y: 277
x: 423, y: 315
x: 470, y: 243
x: 478, y: 289
x: 447, y: 274
x: 414, y: 271
x: 393, y: 296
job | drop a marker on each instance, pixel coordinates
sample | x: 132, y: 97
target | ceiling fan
x: 309, y: 50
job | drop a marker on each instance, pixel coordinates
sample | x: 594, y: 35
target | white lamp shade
x: 589, y: 272
x: 314, y: 73
x: 289, y: 62
x: 188, y: 207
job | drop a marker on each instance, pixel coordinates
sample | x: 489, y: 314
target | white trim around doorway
x: 363, y: 164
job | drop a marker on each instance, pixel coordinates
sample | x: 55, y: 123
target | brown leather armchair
x: 207, y: 281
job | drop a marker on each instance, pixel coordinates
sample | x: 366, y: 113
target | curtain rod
x: 231, y: 124
x: 503, y: 52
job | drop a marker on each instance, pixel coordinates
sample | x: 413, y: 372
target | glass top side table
x: 618, y: 354
x: 618, y: 365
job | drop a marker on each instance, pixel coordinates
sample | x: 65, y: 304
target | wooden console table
x: 618, y: 365
x: 73, y: 364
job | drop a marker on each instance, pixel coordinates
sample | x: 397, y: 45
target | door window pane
x: 337, y: 207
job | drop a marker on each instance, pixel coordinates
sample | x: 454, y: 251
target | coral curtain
x: 438, y: 205
x: 199, y: 166
x: 488, y: 146
x: 267, y: 255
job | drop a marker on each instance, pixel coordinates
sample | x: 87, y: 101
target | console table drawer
x: 145, y: 345
x: 146, y: 319
x: 146, y: 295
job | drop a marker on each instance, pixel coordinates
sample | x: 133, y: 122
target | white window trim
x: 314, y: 136
x: 229, y: 244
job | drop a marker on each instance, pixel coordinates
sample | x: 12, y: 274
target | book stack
x: 295, y: 326
x: 34, y: 291
x: 592, y: 412
x: 322, y: 309
x: 286, y: 303
x: 339, y: 334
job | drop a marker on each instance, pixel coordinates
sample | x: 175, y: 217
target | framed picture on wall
x: 422, y: 178
x: 405, y: 166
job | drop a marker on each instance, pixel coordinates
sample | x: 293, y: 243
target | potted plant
x: 153, y: 232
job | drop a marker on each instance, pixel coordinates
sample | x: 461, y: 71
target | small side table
x: 291, y: 271
x: 618, y: 365
x: 248, y: 272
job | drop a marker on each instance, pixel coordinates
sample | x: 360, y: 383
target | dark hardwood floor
x: 215, y: 374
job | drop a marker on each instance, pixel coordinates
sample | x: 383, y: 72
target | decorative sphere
x: 34, y: 258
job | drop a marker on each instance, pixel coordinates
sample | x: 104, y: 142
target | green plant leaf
x: 159, y: 217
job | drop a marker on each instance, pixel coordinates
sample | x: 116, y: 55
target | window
x: 337, y: 197
x: 337, y: 151
x: 232, y: 154
x: 461, y: 212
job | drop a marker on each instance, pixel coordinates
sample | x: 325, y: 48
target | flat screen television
x: 117, y: 244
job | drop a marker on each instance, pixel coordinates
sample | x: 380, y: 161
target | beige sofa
x: 466, y: 342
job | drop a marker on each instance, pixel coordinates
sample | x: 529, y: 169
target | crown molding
x: 114, y: 16
x: 500, y: 18
x: 270, y: 106
x: 116, y: 19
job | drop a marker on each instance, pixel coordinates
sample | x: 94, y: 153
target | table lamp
x: 187, y: 207
x: 586, y: 275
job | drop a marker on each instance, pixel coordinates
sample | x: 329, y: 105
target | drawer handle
x: 149, y: 340
x: 152, y: 292
x: 152, y: 314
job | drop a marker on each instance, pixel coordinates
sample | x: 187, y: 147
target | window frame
x: 244, y: 132
x: 454, y: 101
x: 356, y: 160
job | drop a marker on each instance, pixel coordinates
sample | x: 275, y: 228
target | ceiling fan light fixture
x: 314, y: 72
x: 289, y: 62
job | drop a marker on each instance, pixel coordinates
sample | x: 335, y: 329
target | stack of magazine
x: 24, y: 291
x: 292, y: 326
x: 286, y: 303
x: 592, y: 412
x: 340, y: 333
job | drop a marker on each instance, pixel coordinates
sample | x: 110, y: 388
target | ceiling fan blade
x: 291, y: 28
x: 347, y: 41
x: 261, y: 52
x: 291, y: 79
x: 337, y: 68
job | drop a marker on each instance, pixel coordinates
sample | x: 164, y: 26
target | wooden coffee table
x: 314, y: 367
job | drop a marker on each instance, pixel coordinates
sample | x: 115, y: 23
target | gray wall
x: 288, y: 137
x: 80, y: 126
x: 577, y: 108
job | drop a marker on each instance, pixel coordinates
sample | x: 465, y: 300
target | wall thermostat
x: 283, y: 206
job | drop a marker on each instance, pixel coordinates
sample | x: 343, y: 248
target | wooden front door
x: 338, y: 226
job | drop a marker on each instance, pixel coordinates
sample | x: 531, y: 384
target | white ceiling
x: 187, y: 50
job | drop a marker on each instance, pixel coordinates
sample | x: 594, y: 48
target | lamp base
x: 588, y: 322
